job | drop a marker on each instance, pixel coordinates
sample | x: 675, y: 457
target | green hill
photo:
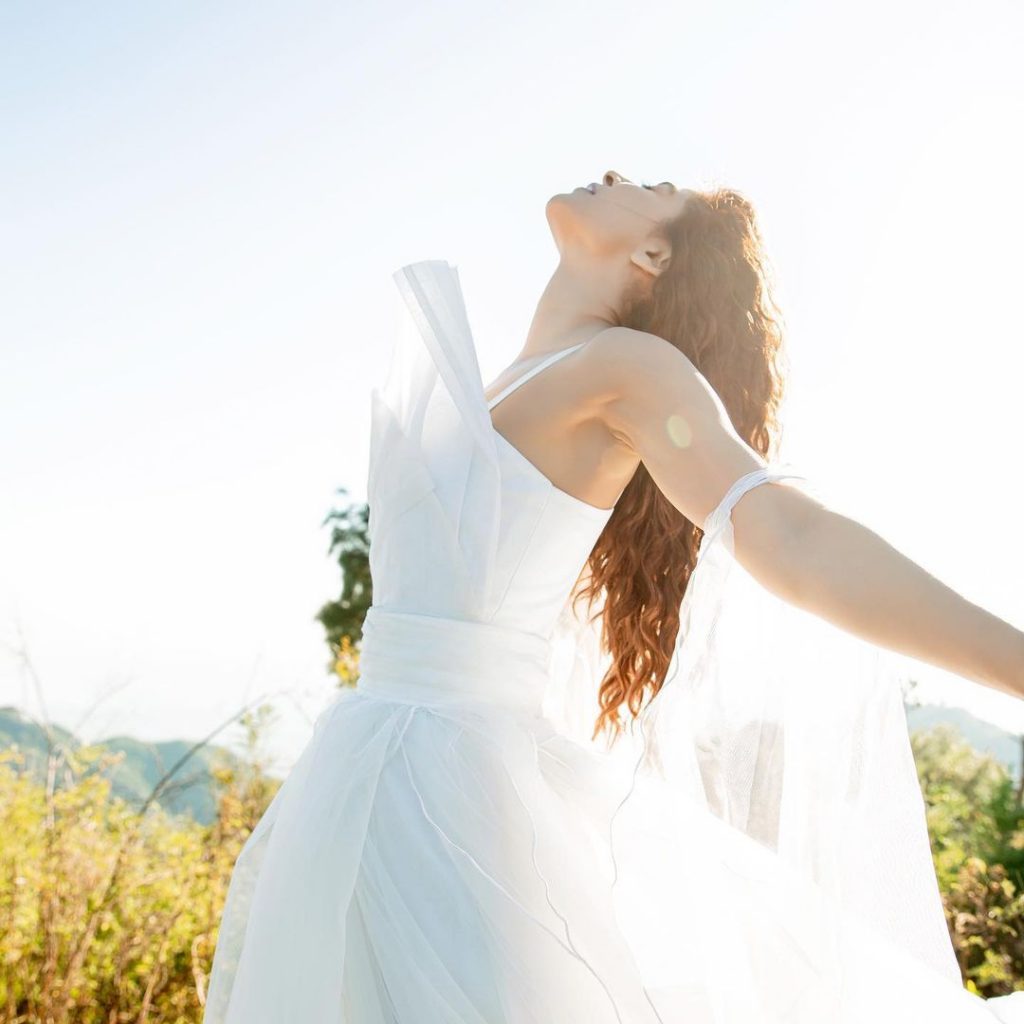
x: 985, y: 737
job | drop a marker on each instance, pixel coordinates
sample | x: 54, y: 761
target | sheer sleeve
x: 792, y: 734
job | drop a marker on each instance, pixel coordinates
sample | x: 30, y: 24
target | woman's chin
x: 564, y: 209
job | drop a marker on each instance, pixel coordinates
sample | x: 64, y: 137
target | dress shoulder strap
x: 545, y: 362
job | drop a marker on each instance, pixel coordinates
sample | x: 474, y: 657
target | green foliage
x: 985, y: 915
x: 975, y: 824
x: 342, y: 619
x: 107, y: 914
x: 958, y: 785
x: 1007, y: 846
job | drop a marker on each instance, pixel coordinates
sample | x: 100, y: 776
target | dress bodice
x: 461, y: 523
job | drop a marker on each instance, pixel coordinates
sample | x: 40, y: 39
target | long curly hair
x: 713, y: 303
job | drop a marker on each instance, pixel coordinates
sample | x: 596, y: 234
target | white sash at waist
x: 443, y: 662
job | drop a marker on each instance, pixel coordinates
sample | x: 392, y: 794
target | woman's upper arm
x: 660, y: 406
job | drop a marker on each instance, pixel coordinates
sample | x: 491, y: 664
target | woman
x: 476, y: 832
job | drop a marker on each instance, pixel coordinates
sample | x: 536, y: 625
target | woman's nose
x: 612, y: 177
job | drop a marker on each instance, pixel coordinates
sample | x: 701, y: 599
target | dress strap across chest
x: 545, y: 362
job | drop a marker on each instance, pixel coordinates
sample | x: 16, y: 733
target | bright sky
x: 202, y: 206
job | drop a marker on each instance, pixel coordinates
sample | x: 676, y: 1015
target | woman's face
x: 614, y: 219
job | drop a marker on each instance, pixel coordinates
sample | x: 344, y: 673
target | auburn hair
x: 713, y: 303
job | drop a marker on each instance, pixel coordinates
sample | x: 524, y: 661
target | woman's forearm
x: 842, y: 571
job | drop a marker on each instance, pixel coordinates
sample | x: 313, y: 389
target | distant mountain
x: 985, y: 737
x: 192, y: 791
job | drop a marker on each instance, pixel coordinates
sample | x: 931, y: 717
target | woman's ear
x: 653, y: 256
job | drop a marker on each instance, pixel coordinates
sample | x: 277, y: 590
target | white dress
x: 452, y: 848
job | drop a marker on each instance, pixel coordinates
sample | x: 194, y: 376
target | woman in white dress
x: 603, y: 764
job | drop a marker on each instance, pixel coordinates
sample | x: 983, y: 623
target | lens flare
x: 678, y: 430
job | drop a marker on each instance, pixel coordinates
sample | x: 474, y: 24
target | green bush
x: 975, y: 824
x: 107, y: 914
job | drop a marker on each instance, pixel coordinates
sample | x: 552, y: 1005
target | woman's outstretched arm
x: 661, y: 407
x: 846, y: 573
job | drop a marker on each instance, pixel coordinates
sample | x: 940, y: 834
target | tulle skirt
x: 440, y: 854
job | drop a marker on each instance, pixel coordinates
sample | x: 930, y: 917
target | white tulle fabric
x: 452, y: 848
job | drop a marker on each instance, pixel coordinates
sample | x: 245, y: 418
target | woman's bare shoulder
x: 659, y: 406
x: 628, y: 363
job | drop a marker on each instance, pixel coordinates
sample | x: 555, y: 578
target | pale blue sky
x: 202, y: 206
